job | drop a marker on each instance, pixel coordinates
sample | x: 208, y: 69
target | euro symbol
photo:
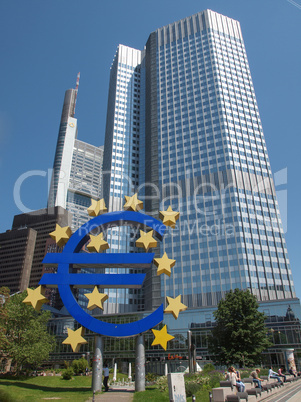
x: 70, y: 257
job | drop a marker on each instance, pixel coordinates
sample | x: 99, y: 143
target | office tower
x: 77, y: 167
x: 64, y: 150
x: 85, y: 181
x: 205, y: 155
x: 41, y: 223
x: 15, y: 267
x: 121, y: 161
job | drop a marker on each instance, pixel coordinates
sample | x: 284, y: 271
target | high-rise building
x: 16, y: 256
x: 121, y: 163
x: 183, y: 128
x: 77, y: 167
x: 63, y: 154
x: 85, y: 181
x: 43, y: 222
x: 22, y: 249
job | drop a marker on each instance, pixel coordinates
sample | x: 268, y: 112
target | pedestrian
x: 256, y: 379
x: 106, y: 377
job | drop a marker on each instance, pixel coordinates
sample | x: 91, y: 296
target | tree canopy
x: 23, y: 331
x: 240, y: 334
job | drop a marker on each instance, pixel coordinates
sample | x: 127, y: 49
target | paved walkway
x: 114, y: 395
x: 292, y: 393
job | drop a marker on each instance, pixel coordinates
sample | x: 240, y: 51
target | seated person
x: 232, y: 377
x: 255, y: 375
x: 239, y: 384
x: 292, y: 372
x: 273, y: 374
x: 280, y: 373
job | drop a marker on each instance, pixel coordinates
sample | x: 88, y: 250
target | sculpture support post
x: 97, y: 364
x: 190, y: 354
x: 140, y: 364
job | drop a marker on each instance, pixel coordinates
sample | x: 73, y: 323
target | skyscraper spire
x: 76, y: 91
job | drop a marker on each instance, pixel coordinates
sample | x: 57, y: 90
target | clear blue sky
x: 44, y: 44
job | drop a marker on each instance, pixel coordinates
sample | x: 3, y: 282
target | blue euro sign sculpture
x: 70, y: 256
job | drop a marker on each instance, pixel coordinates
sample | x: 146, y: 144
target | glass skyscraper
x: 121, y: 162
x: 77, y: 168
x: 85, y: 181
x: 183, y: 129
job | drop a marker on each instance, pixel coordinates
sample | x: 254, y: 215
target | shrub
x: 79, y: 366
x: 192, y: 388
x: 208, y: 367
x: 67, y: 374
x: 264, y: 372
x: 215, y: 377
x: 151, y: 377
x: 162, y: 383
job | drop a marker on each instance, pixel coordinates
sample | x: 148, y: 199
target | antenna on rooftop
x: 76, y: 91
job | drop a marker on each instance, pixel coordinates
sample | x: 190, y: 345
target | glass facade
x: 213, y: 165
x: 121, y: 163
x: 183, y: 125
x: 85, y: 181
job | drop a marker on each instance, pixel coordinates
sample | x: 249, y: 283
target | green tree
x: 27, y: 341
x: 240, y: 334
x: 79, y: 366
x: 4, y: 296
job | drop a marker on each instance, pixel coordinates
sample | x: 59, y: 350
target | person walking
x: 106, y: 374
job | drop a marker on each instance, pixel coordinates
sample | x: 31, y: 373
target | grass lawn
x: 154, y: 395
x: 34, y: 389
x: 151, y: 394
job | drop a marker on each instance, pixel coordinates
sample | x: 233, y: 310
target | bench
x: 228, y: 393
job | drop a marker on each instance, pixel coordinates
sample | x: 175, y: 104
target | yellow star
x: 97, y: 207
x: 61, y: 235
x: 132, y: 203
x: 175, y: 306
x: 97, y: 243
x: 36, y: 298
x: 146, y: 240
x: 96, y: 299
x: 161, y: 337
x: 75, y: 339
x: 164, y: 265
x: 169, y: 217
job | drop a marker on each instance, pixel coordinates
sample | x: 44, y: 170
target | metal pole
x: 97, y: 364
x: 190, y: 355
x: 140, y: 364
